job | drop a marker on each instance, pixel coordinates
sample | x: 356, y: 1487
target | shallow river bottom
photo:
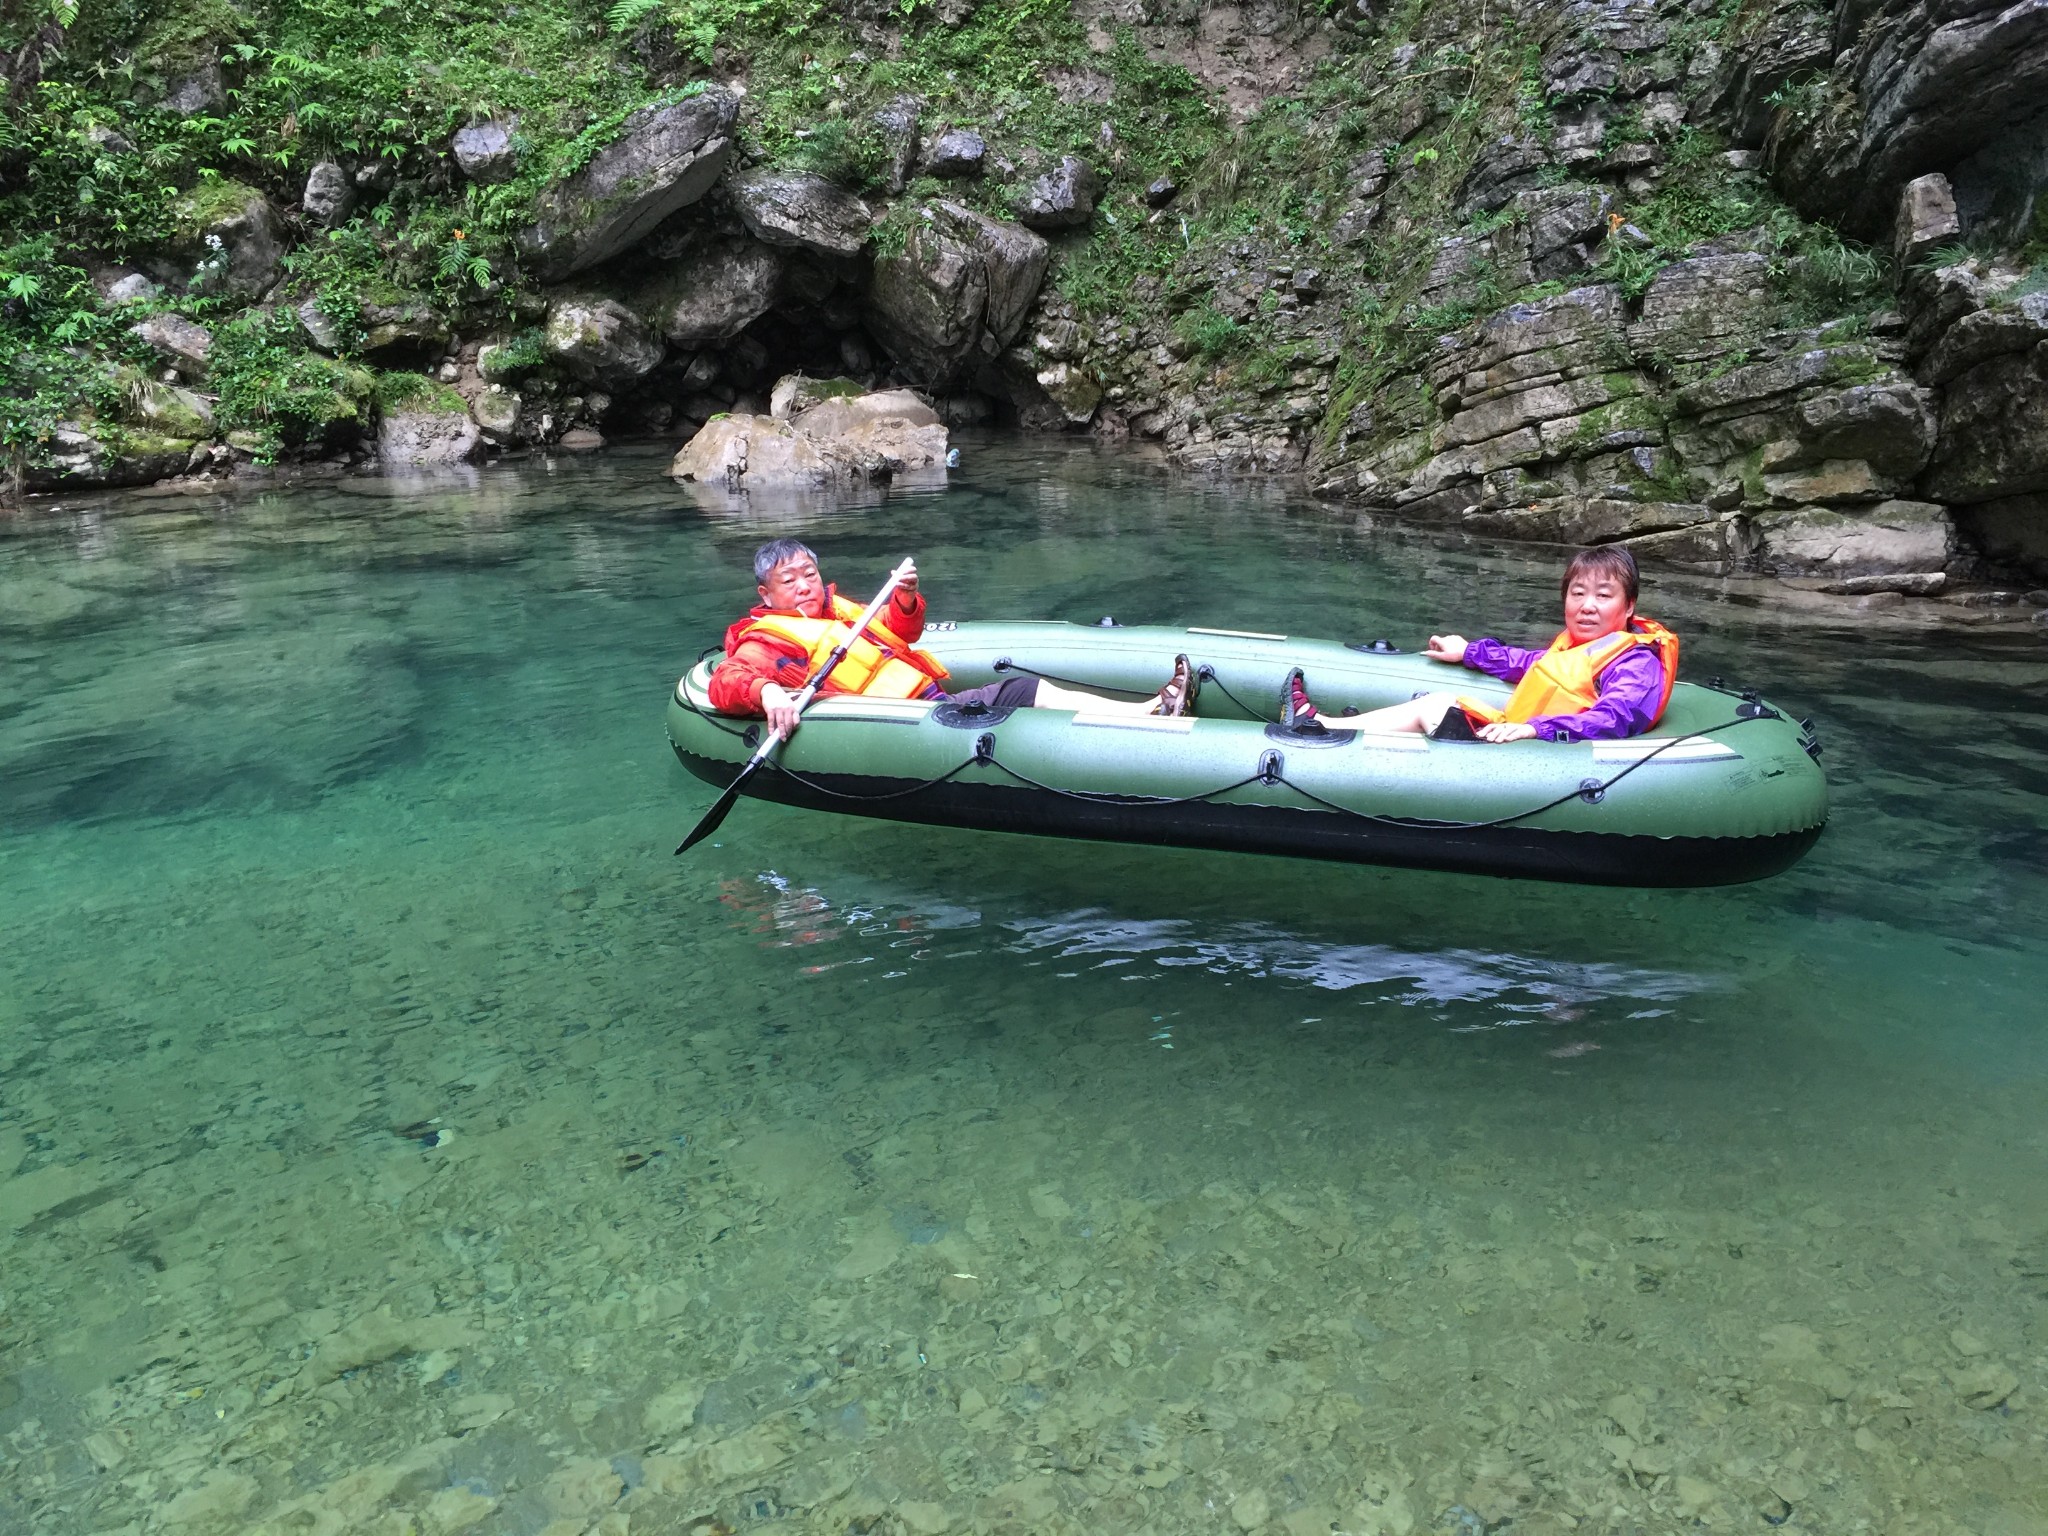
x: 395, y: 1138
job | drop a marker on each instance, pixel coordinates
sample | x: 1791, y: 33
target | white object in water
x: 952, y: 458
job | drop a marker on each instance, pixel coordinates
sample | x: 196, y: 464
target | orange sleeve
x: 737, y: 681
x: 907, y: 619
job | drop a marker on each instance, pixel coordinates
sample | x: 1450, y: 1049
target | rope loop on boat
x: 1270, y: 771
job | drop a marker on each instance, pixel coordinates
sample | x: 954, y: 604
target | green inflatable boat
x: 1726, y: 789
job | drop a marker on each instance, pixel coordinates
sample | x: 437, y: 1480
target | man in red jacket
x: 770, y: 653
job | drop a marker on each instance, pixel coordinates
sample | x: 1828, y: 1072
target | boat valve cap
x: 1270, y: 765
x: 1592, y: 791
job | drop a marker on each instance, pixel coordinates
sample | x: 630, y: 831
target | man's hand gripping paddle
x: 724, y: 803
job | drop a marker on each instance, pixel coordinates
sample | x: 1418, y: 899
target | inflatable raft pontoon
x: 1727, y: 788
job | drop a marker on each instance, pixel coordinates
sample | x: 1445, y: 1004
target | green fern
x: 627, y: 13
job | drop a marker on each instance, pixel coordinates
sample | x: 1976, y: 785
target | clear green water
x: 395, y: 1138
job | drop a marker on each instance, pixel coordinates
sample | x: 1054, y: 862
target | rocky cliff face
x: 1744, y: 286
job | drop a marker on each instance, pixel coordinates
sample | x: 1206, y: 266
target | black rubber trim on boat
x: 1600, y: 858
x: 970, y: 716
x: 1270, y: 771
x: 1375, y: 647
x: 1310, y: 734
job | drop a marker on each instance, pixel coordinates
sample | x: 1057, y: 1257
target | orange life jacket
x: 881, y: 663
x: 1565, y: 679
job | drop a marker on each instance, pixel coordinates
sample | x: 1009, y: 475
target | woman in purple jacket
x: 1620, y: 695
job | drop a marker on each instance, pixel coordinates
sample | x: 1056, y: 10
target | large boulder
x: 956, y: 152
x: 957, y: 294
x: 600, y: 341
x: 664, y: 158
x: 1994, y: 430
x: 1926, y: 219
x: 399, y: 328
x: 184, y: 344
x: 168, y: 410
x: 1889, y: 424
x: 897, y: 123
x: 485, y: 151
x: 801, y: 209
x: 433, y: 427
x: 83, y: 455
x: 1013, y: 257
x: 839, y: 441
x: 199, y: 91
x: 712, y: 294
x: 329, y: 194
x: 1891, y: 538
x: 227, y: 240
x: 1063, y: 198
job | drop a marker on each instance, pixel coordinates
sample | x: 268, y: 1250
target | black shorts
x: 1010, y: 693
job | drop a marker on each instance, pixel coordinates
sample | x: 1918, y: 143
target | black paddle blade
x: 715, y: 815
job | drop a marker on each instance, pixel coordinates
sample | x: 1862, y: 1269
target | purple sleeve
x: 1627, y: 706
x: 1506, y: 662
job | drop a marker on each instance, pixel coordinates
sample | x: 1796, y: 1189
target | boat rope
x: 1592, y: 791
x: 1208, y: 675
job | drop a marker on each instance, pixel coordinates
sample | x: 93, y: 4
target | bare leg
x: 1421, y: 716
x: 1051, y: 696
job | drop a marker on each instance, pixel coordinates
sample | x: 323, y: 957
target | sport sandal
x: 1296, y: 709
x: 1178, y: 696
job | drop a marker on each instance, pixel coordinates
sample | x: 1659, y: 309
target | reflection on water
x: 789, y: 915
x: 394, y: 1138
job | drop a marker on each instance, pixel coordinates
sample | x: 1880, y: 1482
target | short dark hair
x: 769, y: 556
x: 1602, y: 560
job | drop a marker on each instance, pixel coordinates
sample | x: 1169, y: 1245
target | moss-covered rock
x: 89, y: 454
x: 228, y: 239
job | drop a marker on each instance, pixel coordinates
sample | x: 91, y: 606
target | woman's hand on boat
x: 779, y: 705
x: 1507, y: 730
x: 1449, y: 648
